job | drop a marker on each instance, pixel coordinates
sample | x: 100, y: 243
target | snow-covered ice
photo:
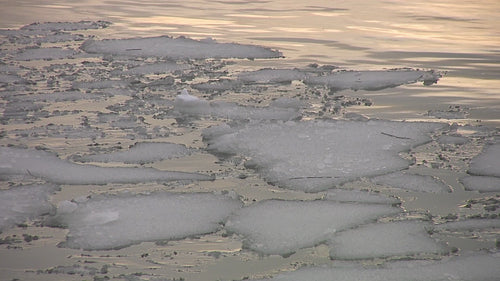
x: 20, y: 203
x: 412, y: 182
x: 282, y: 227
x: 405, y: 238
x: 317, y: 155
x: 111, y: 222
x: 37, y: 163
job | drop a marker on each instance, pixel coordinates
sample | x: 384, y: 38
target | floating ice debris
x: 44, y: 54
x: 411, y: 182
x: 177, y: 48
x: 486, y: 163
x: 317, y: 155
x: 110, y: 222
x: 41, y: 164
x: 66, y: 26
x: 384, y: 240
x: 481, y: 183
x: 272, y: 76
x: 469, y: 225
x: 344, y: 195
x: 144, y: 152
x: 282, y: 227
x: 482, y: 267
x: 372, y: 80
x: 156, y: 68
x: 20, y: 203
x: 193, y: 106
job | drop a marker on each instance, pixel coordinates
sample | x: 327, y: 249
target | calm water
x: 459, y: 38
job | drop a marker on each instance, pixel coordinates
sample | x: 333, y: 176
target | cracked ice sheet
x: 41, y: 164
x: 382, y: 240
x: 482, y: 267
x: 112, y: 222
x: 20, y: 203
x: 177, y: 48
x: 317, y: 155
x: 282, y: 227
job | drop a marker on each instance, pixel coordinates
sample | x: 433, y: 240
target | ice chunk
x: 58, y: 26
x: 452, y: 140
x: 372, y: 80
x: 44, y: 54
x: 20, y: 203
x: 282, y: 227
x: 193, y: 106
x: 35, y: 163
x: 482, y: 267
x: 156, y: 68
x: 317, y: 155
x: 144, y: 152
x: 177, y: 48
x: 111, y: 222
x: 486, y: 163
x: 481, y: 184
x: 412, y: 182
x: 405, y: 238
x: 271, y: 76
x: 469, y: 225
x: 343, y: 195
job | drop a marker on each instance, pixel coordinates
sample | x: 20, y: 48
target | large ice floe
x: 42, y: 164
x: 282, y: 227
x: 484, y: 170
x: 482, y: 267
x: 317, y: 155
x: 110, y: 222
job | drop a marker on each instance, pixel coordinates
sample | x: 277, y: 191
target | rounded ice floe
x: 343, y: 195
x: 111, y: 222
x: 282, y: 227
x: 412, y: 182
x: 481, y: 183
x: 143, y: 152
x: 317, y: 155
x: 176, y: 48
x: 486, y: 163
x: 381, y: 240
x: 36, y: 163
x: 20, y: 203
x: 482, y: 267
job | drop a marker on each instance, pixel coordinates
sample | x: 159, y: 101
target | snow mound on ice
x: 176, y: 48
x: 469, y: 268
x: 20, y: 203
x: 481, y: 184
x: 193, y: 106
x: 111, y: 222
x: 486, y: 163
x: 36, y: 163
x: 282, y: 227
x: 143, y: 152
x: 412, y: 182
x: 384, y: 240
x: 317, y: 155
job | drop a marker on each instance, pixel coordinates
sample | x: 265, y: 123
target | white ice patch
x: 317, y: 155
x: 144, y: 152
x: 111, y: 222
x: 482, y: 267
x: 384, y: 240
x: 486, y: 163
x: 36, y: 163
x: 343, y: 195
x: 20, y: 203
x: 177, y: 48
x: 193, y: 106
x: 282, y: 227
x: 481, y: 184
x: 412, y: 182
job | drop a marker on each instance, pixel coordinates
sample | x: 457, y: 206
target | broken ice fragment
x: 412, y: 182
x: 486, y: 163
x: 481, y: 183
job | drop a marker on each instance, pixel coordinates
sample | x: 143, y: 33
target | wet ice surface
x: 127, y: 127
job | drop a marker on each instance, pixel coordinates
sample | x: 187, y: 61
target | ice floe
x: 142, y: 152
x: 412, y: 182
x: 380, y: 240
x: 44, y: 54
x: 317, y: 155
x: 361, y: 196
x: 193, y: 106
x: 42, y: 164
x: 176, y: 48
x: 486, y: 163
x: 481, y: 183
x: 111, y: 222
x: 467, y: 268
x: 20, y: 203
x: 469, y: 225
x: 282, y: 227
